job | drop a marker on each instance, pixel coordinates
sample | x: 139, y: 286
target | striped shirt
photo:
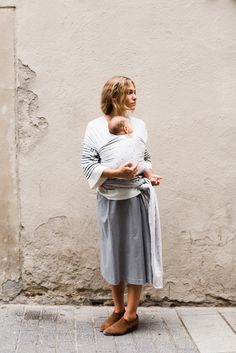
x: 97, y: 137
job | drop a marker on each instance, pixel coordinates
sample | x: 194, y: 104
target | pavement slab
x: 75, y: 329
x: 179, y: 334
x: 208, y: 329
x: 229, y: 316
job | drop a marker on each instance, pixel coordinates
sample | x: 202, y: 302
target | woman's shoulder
x: 97, y: 126
x: 139, y: 127
x: 137, y: 121
x: 97, y: 122
x: 97, y: 133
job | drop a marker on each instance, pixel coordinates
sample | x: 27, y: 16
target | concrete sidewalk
x: 69, y: 329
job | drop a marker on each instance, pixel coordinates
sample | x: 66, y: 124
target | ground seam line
x: 185, y: 327
x: 229, y: 325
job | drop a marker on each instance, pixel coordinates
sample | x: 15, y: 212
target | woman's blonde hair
x: 116, y: 88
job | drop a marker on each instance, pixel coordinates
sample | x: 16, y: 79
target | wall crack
x: 31, y: 127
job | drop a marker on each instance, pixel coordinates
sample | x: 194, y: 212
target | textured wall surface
x: 10, y: 279
x: 182, y: 56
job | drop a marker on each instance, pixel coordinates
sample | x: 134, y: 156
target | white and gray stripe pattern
x: 89, y: 161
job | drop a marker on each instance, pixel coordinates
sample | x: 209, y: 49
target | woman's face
x: 130, y: 100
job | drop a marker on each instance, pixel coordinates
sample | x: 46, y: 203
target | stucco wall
x: 182, y: 56
x: 10, y: 278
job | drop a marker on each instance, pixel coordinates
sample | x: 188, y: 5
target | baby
x: 120, y: 125
x: 126, y: 147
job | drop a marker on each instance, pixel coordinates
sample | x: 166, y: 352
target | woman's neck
x: 116, y: 113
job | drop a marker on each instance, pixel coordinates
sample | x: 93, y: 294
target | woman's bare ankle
x: 119, y: 309
x: 130, y: 316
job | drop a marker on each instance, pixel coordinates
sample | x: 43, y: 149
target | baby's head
x: 119, y: 125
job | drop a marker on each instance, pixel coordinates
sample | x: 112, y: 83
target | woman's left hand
x: 155, y: 179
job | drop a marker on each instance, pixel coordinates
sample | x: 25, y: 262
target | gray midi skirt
x: 125, y: 245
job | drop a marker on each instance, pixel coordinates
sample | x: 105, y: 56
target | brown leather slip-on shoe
x: 121, y: 327
x: 111, y: 320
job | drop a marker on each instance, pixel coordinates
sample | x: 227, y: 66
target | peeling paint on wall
x: 31, y: 128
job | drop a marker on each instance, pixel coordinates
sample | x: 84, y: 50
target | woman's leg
x: 118, y: 296
x: 129, y: 321
x: 134, y: 292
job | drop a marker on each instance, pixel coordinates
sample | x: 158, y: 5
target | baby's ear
x: 126, y: 129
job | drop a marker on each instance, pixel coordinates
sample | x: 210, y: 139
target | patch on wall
x: 31, y: 128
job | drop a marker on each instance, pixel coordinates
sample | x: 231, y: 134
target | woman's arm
x: 92, y: 167
x: 147, y: 160
x: 125, y: 171
x: 96, y: 173
x: 148, y: 172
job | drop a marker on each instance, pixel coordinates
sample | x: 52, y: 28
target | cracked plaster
x: 31, y: 127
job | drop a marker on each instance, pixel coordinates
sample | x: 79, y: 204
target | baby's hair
x: 116, y: 124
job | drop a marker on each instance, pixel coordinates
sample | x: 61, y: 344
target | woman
x: 125, y: 242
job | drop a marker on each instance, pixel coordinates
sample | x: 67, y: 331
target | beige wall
x: 182, y: 56
x: 10, y: 279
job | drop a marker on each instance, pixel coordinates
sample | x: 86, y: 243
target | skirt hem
x: 127, y: 280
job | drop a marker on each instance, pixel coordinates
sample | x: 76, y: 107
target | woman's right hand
x: 127, y: 171
x: 124, y: 171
